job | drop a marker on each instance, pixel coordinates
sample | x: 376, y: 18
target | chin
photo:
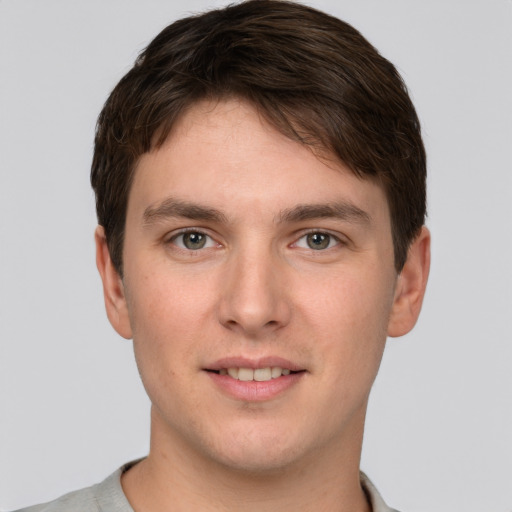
x: 258, y: 462
x: 260, y: 454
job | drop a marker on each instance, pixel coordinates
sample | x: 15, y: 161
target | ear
x: 113, y: 288
x: 410, y: 286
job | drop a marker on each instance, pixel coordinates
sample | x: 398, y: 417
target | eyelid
x: 336, y: 237
x: 171, y: 238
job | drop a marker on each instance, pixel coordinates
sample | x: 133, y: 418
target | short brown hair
x: 312, y: 76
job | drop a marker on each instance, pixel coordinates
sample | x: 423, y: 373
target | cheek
x: 350, y: 301
x: 350, y: 318
x: 166, y: 321
x: 163, y: 304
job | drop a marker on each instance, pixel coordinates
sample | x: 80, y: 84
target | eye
x: 317, y: 241
x: 193, y: 241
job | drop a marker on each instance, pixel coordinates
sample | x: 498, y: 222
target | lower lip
x: 254, y: 391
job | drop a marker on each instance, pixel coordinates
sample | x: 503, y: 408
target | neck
x: 326, y: 480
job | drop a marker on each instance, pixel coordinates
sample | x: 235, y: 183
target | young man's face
x: 245, y: 254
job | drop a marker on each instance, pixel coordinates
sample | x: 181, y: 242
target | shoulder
x: 82, y: 500
x: 374, y: 497
x: 107, y: 496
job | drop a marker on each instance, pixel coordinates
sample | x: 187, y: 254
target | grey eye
x: 318, y: 241
x: 193, y: 240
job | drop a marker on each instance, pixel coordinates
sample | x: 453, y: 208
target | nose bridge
x: 254, y: 297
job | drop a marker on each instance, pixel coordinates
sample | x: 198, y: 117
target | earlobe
x: 113, y: 288
x: 410, y: 287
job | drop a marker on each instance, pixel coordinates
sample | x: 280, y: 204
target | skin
x: 256, y: 289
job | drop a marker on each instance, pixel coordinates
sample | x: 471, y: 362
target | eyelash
x: 332, y: 238
x: 193, y: 231
x: 210, y: 242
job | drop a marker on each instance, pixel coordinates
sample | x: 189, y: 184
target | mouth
x: 255, y: 374
x: 255, y: 380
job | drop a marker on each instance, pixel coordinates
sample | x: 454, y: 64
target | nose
x: 254, y: 298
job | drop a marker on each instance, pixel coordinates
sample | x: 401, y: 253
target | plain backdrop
x: 72, y: 409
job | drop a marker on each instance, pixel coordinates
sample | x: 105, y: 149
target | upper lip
x: 261, y: 362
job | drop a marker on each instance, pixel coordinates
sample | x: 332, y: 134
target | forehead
x: 227, y: 154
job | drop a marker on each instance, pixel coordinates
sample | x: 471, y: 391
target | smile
x: 254, y: 380
x: 258, y: 374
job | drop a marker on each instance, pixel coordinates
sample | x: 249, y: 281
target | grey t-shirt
x: 108, y: 496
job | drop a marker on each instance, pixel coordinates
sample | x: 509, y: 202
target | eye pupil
x: 194, y: 240
x: 318, y: 241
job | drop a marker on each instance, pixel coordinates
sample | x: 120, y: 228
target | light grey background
x: 72, y: 409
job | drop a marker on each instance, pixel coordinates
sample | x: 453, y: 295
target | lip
x: 254, y: 391
x: 262, y: 362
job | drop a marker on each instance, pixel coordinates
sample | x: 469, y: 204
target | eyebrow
x: 341, y: 210
x: 171, y: 207
x: 175, y: 208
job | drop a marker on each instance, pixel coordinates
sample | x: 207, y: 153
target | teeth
x: 245, y: 374
x: 262, y: 374
x: 259, y: 375
x: 276, y: 372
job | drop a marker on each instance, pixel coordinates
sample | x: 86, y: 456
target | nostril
x: 253, y: 313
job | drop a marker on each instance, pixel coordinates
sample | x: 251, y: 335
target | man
x: 260, y: 190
